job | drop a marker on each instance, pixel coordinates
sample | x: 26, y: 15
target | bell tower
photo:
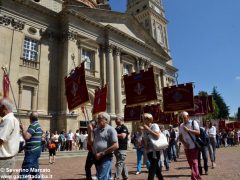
x: 151, y: 14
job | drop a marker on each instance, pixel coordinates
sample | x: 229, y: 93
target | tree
x: 238, y: 114
x: 223, y: 108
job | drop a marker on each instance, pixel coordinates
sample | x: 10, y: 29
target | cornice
x: 34, y: 6
x: 15, y: 23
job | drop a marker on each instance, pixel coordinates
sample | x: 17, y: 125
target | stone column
x: 137, y: 65
x: 103, y: 65
x: 118, y: 88
x: 159, y: 83
x: 20, y: 95
x: 80, y: 51
x: 34, y: 99
x: 110, y: 81
x: 142, y: 63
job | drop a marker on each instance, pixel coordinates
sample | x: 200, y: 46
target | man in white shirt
x: 9, y: 137
x: 187, y: 131
x: 212, y: 143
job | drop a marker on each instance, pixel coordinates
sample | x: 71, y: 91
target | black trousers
x: 90, y: 161
x: 154, y: 166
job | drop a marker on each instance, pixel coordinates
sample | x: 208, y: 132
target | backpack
x: 204, y: 137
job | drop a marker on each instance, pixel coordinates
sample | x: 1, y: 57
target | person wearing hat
x: 104, y: 143
x: 187, y: 130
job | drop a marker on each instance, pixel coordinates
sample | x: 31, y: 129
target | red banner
x: 230, y: 126
x: 132, y: 113
x: 6, y: 84
x: 154, y: 110
x: 76, y: 88
x: 178, y: 98
x: 198, y: 107
x: 237, y: 125
x: 100, y: 104
x: 140, y: 88
x: 210, y: 104
x: 221, y: 125
x: 165, y: 118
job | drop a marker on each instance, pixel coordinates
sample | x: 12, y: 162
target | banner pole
x: 5, y: 72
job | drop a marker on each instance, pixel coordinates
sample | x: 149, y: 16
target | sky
x: 204, y: 39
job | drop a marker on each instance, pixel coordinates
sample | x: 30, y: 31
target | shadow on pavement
x: 176, y: 176
x: 182, y: 168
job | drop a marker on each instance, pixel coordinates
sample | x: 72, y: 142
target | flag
x: 221, y: 124
x: 154, y: 110
x: 198, y: 107
x: 230, y: 126
x: 211, y: 107
x: 132, y: 113
x: 6, y: 84
x: 76, y: 88
x: 100, y: 103
x: 178, y: 98
x: 140, y: 87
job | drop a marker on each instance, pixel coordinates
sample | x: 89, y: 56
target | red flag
x: 6, y: 84
x: 198, y: 107
x: 132, y: 113
x: 221, y: 124
x: 237, y: 125
x: 211, y: 107
x: 100, y: 103
x: 140, y: 88
x: 230, y: 126
x: 154, y: 109
x: 76, y: 88
x: 178, y: 98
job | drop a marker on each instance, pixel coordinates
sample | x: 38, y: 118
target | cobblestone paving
x: 228, y: 167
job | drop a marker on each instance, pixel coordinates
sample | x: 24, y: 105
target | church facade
x: 43, y: 40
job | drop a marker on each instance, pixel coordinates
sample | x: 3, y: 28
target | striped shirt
x: 35, y: 141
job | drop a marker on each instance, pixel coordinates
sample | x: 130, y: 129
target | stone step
x: 59, y: 154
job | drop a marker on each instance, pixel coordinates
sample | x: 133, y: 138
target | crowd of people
x: 104, y: 142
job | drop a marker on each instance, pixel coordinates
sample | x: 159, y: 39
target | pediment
x: 122, y: 23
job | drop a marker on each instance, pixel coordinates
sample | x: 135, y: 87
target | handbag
x: 160, y: 143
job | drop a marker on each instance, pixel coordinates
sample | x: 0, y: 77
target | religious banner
x: 140, y: 88
x: 132, y: 113
x: 76, y: 88
x: 221, y: 124
x: 237, y: 125
x: 211, y: 107
x: 165, y: 118
x: 153, y: 109
x: 230, y: 126
x: 100, y: 103
x: 198, y: 107
x: 6, y: 84
x: 178, y: 98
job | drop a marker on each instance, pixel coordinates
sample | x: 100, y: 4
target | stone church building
x: 43, y: 40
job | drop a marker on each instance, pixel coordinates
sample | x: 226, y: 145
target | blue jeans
x: 140, y: 152
x: 30, y: 165
x: 172, y: 152
x: 104, y: 168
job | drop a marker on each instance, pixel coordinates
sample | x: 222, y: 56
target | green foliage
x: 220, y: 104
